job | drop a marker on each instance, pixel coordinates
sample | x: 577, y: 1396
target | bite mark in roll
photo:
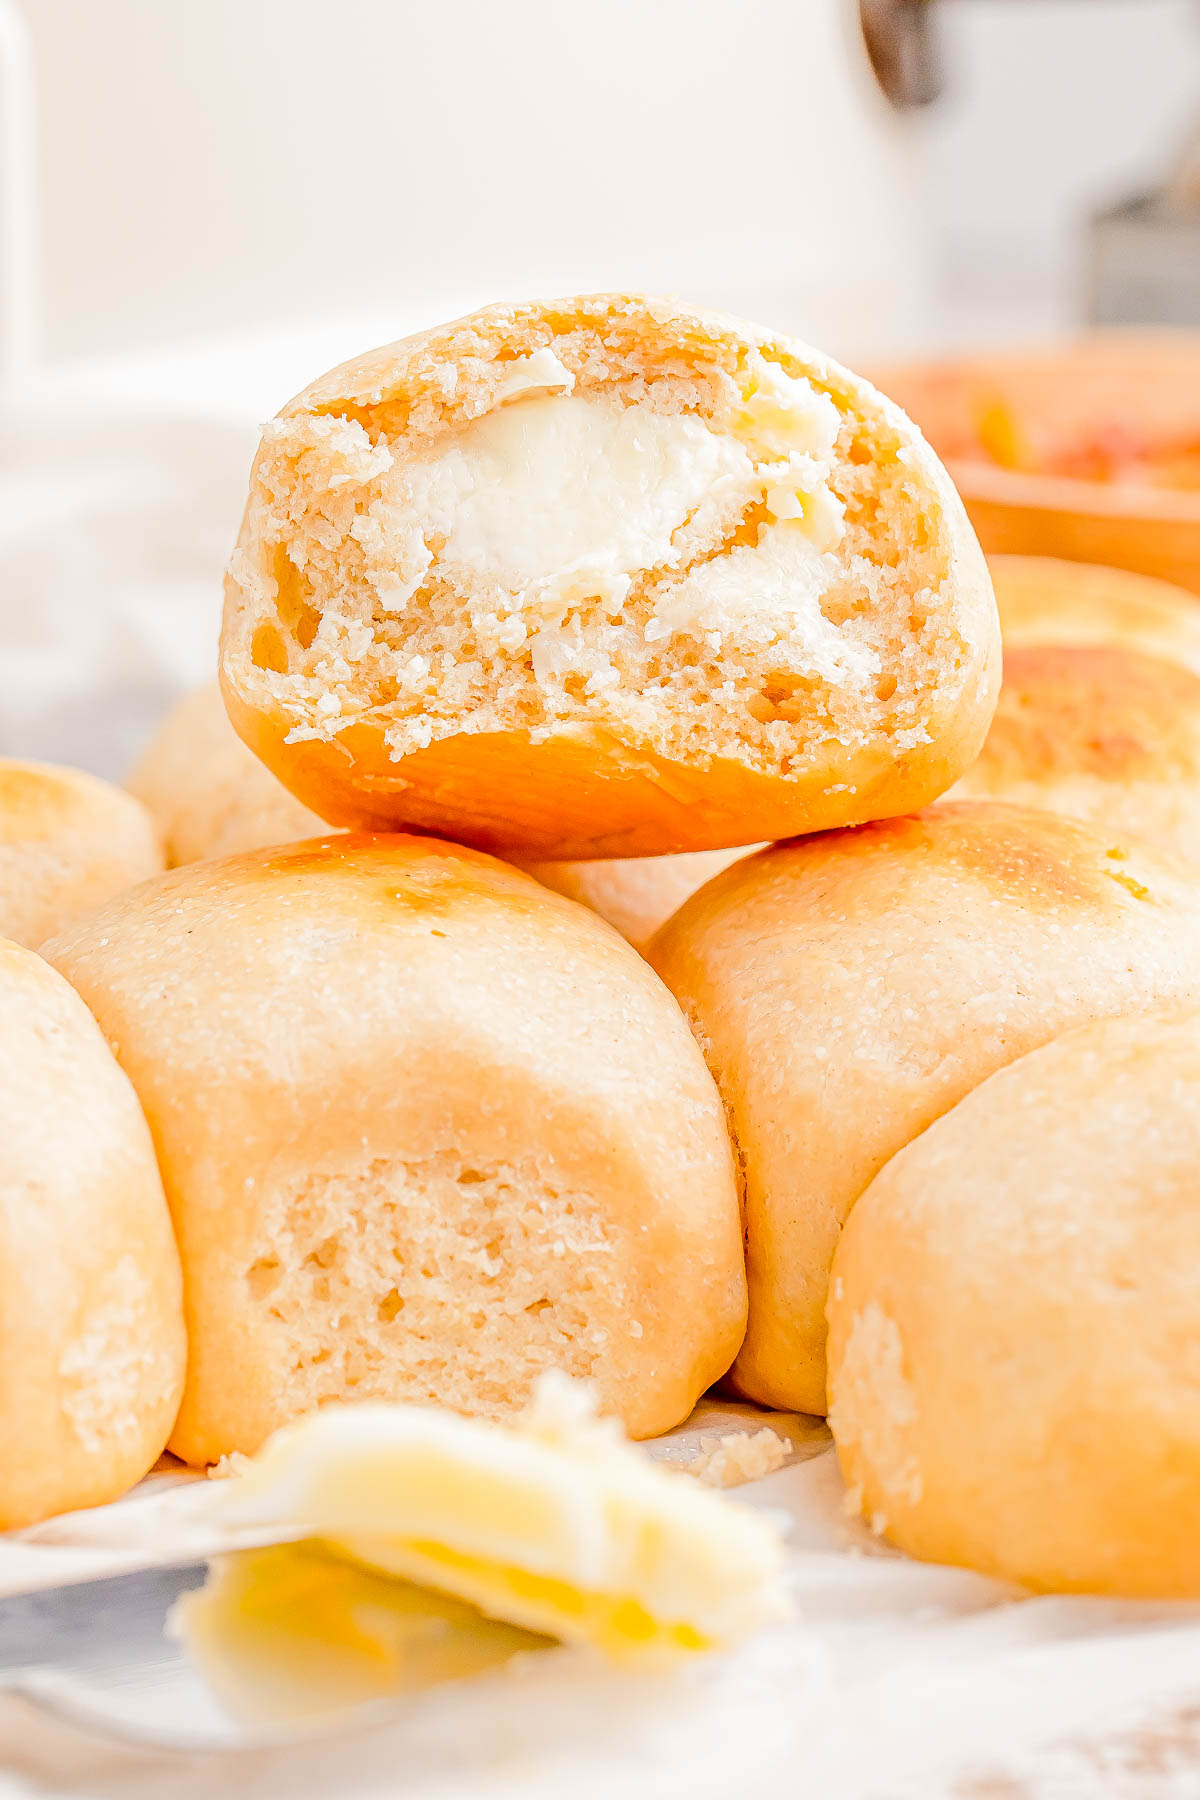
x: 604, y: 577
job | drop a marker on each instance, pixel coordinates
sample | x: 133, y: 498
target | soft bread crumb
x: 738, y: 1456
x: 235, y: 1462
x: 466, y: 1281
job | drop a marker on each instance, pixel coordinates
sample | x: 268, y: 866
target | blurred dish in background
x: 1089, y: 451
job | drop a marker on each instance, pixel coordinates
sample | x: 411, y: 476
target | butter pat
x: 554, y: 1524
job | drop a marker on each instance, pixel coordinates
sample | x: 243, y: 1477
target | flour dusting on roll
x: 605, y: 577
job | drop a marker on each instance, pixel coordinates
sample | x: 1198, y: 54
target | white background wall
x: 205, y: 163
x: 1052, y: 108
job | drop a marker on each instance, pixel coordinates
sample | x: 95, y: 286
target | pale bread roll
x: 605, y: 577
x: 68, y: 842
x: 91, y: 1329
x: 1102, y: 733
x: 210, y: 796
x: 848, y: 989
x: 1043, y: 600
x: 1014, y: 1350
x: 426, y: 1130
x: 637, y: 894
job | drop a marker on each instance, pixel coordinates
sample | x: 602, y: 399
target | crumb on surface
x: 739, y: 1456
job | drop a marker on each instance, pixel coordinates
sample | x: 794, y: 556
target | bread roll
x: 67, y: 842
x: 1014, y: 1348
x: 637, y: 894
x: 208, y: 794
x: 848, y: 989
x: 1042, y: 600
x: 426, y: 1130
x: 91, y: 1325
x: 1108, y: 735
x: 603, y: 577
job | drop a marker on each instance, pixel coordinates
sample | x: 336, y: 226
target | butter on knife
x: 553, y: 1524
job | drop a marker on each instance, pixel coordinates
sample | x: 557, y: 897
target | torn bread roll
x: 426, y: 1128
x: 91, y: 1330
x: 211, y: 796
x: 68, y: 842
x: 1045, y: 601
x: 1102, y: 733
x: 605, y: 577
x: 1014, y: 1321
x: 850, y: 988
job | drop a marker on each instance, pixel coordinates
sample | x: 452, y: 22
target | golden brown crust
x: 1013, y: 1321
x: 1107, y: 735
x: 426, y: 1128
x: 1044, y: 600
x: 91, y: 1327
x: 579, y: 795
x: 573, y: 789
x: 68, y: 842
x: 850, y: 988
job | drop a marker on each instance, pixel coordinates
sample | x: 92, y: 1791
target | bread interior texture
x: 437, y: 1281
x: 700, y: 548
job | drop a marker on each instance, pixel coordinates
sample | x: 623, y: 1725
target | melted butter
x: 296, y: 1632
x: 555, y: 500
x: 615, y: 1623
x: 575, y: 492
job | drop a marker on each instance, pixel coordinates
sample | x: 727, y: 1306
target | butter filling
x: 555, y: 501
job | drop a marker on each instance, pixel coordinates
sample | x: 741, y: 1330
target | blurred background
x: 202, y: 205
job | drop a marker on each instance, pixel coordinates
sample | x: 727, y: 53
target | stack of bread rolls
x: 544, y: 623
